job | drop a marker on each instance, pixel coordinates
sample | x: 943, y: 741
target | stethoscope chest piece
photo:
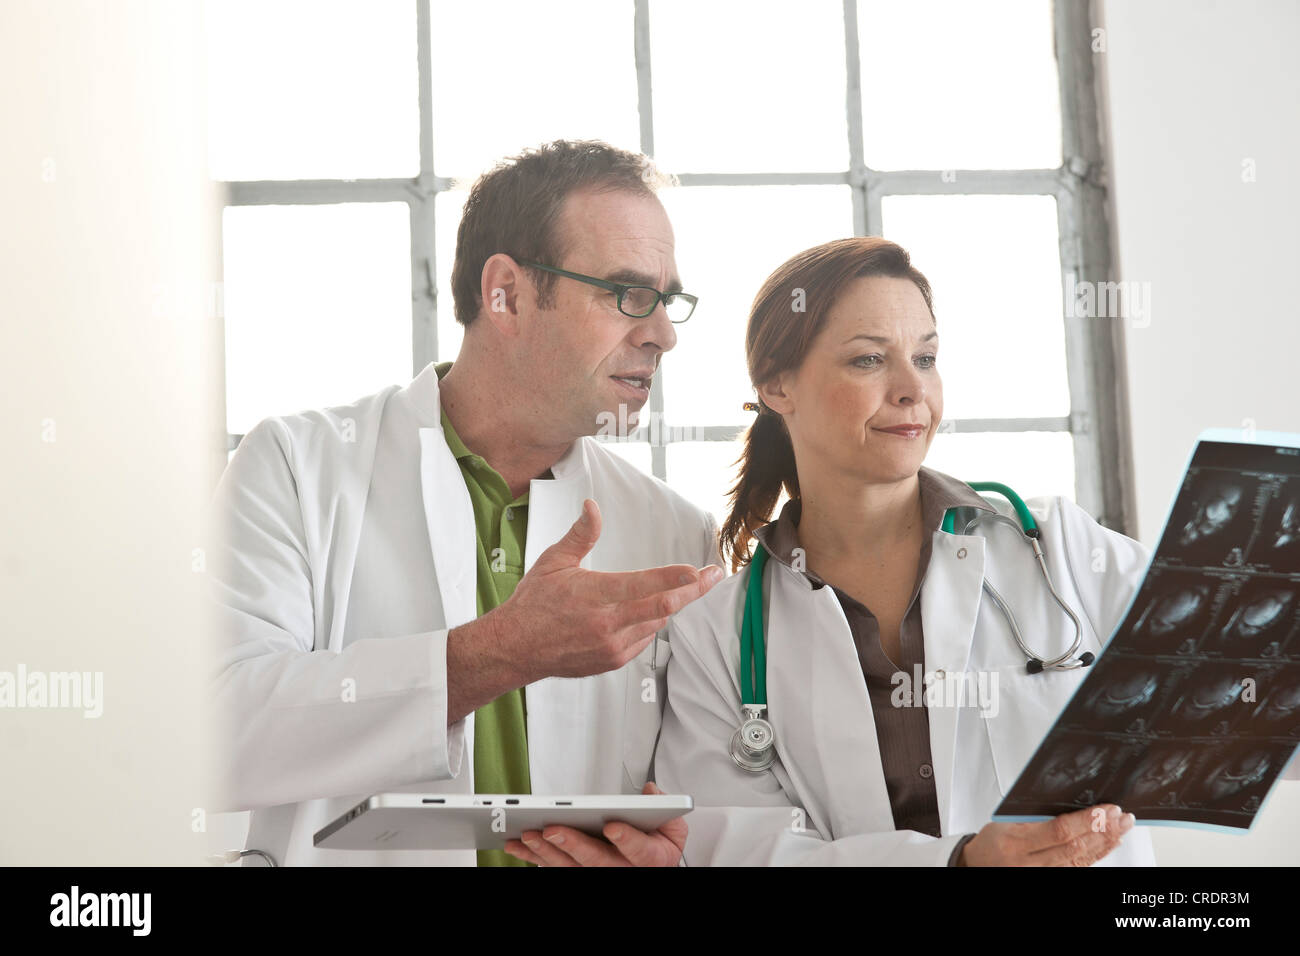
x: 753, y: 743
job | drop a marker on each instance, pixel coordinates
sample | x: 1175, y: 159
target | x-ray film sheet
x: 1191, y: 714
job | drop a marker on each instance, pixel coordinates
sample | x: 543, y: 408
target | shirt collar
x: 938, y: 491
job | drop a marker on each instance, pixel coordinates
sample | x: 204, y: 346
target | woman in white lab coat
x: 866, y: 598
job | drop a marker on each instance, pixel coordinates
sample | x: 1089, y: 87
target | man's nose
x: 656, y: 331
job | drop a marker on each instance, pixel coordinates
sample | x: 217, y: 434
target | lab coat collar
x: 820, y: 709
x: 950, y: 606
x: 553, y: 505
x: 422, y: 394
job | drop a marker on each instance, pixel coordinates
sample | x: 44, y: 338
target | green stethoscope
x: 752, y: 745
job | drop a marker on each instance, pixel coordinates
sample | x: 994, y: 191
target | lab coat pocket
x: 1026, y: 707
x: 647, y: 683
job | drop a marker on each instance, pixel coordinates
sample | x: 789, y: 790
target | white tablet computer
x: 485, y: 821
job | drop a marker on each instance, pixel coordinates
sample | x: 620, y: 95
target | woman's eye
x: 873, y: 361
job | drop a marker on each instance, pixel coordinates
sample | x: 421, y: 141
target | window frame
x: 1093, y: 347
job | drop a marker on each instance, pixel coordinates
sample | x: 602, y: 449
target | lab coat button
x: 939, y: 674
x: 961, y: 552
x: 927, y: 771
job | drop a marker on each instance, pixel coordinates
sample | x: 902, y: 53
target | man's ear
x: 775, y: 394
x: 502, y: 286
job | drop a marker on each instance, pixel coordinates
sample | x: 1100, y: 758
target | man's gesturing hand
x: 565, y: 621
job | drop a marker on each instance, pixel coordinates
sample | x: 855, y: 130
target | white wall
x: 107, y: 258
x: 1194, y: 89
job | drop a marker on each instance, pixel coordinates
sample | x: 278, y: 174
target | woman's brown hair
x: 788, y: 313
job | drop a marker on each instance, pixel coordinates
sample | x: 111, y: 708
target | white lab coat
x: 824, y: 800
x: 301, y: 625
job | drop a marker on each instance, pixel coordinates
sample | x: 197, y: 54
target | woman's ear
x: 775, y: 394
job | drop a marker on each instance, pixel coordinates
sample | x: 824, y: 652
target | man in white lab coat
x: 395, y: 573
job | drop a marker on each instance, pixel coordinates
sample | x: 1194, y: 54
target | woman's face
x: 870, y: 369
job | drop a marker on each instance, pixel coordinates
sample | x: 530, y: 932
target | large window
x: 349, y: 131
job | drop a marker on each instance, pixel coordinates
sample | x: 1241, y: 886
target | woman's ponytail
x: 766, y: 467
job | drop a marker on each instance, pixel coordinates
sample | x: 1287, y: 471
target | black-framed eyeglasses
x: 634, y: 301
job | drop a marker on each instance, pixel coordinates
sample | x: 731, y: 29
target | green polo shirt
x: 500, y: 728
